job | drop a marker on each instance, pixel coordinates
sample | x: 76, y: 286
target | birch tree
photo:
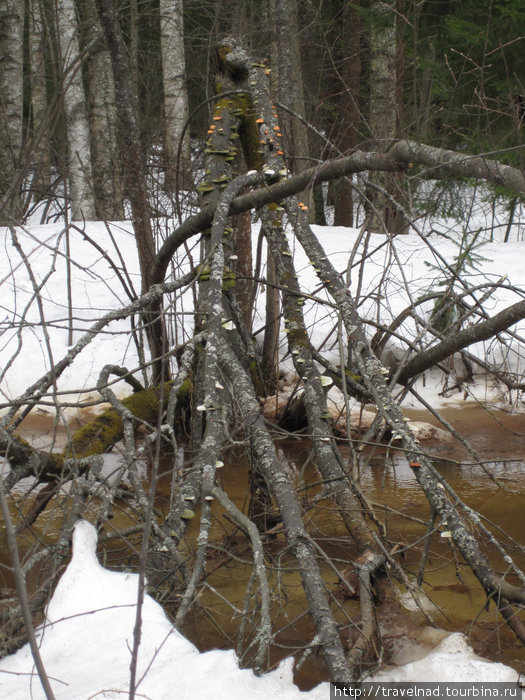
x: 11, y: 108
x: 176, y: 129
x: 74, y: 99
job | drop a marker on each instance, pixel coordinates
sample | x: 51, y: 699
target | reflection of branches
x: 22, y: 596
x: 217, y: 381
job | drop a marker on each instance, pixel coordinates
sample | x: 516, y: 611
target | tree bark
x: 107, y: 166
x: 135, y: 178
x: 176, y: 135
x: 382, y: 215
x: 39, y: 105
x: 291, y: 87
x: 350, y: 109
x: 462, y: 339
x: 79, y: 148
x: 11, y: 109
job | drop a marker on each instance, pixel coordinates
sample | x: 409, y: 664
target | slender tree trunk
x: 176, y: 137
x: 39, y: 105
x: 290, y: 83
x: 135, y: 176
x: 134, y: 46
x: 11, y: 108
x: 382, y: 214
x: 311, y: 58
x: 301, y: 149
x: 243, y: 264
x: 107, y: 183
x: 79, y: 148
x: 270, y: 345
x: 350, y: 111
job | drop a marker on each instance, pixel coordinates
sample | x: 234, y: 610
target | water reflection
x: 392, y: 489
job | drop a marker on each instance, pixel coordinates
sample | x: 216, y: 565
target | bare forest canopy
x: 360, y: 109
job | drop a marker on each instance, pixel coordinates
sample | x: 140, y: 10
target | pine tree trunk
x: 11, y: 105
x: 79, y: 150
x: 176, y: 133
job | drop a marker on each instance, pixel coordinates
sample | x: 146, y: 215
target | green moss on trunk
x: 100, y: 434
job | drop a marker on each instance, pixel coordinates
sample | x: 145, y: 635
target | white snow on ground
x: 87, y: 639
x: 453, y: 661
x: 97, y: 287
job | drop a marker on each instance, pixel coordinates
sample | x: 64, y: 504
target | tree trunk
x: 351, y: 78
x: 11, y: 109
x: 311, y: 59
x: 135, y: 178
x: 107, y: 167
x: 382, y: 214
x: 79, y: 149
x: 176, y: 132
x: 291, y: 86
x: 270, y: 345
x: 39, y: 107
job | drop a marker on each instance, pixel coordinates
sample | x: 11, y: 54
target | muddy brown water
x: 456, y: 597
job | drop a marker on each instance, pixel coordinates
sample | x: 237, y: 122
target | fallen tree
x: 222, y: 368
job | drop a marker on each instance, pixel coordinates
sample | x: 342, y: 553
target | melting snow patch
x: 453, y: 661
x: 87, y: 639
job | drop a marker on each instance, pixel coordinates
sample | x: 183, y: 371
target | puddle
x: 456, y: 596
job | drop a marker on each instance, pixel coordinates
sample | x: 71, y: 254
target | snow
x: 86, y: 643
x: 86, y: 639
x: 100, y: 280
x: 452, y: 660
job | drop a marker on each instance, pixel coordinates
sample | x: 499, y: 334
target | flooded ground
x: 496, y: 490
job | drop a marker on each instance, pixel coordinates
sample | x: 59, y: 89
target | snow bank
x: 104, y: 270
x: 451, y: 661
x: 86, y: 640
